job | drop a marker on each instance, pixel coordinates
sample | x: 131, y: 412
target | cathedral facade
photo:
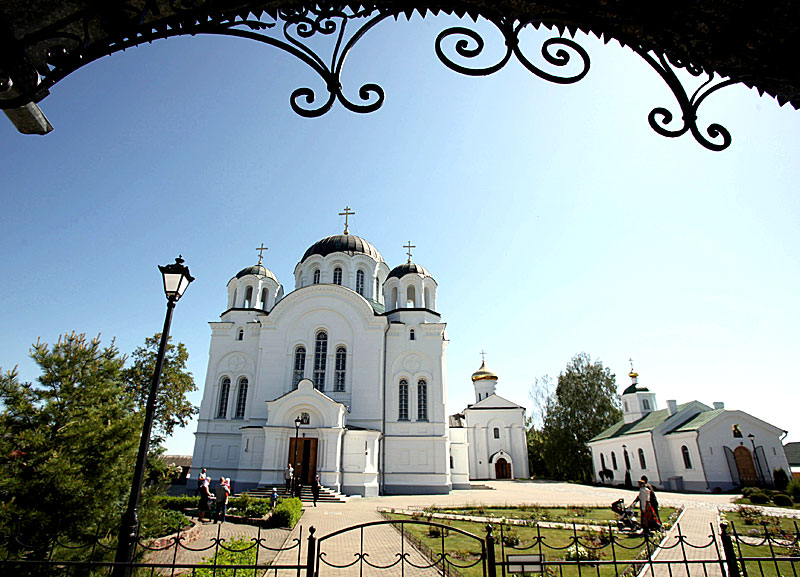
x: 343, y: 377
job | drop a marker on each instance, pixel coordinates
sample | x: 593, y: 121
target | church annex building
x: 357, y: 353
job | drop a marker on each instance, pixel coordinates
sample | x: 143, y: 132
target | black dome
x: 348, y: 243
x: 258, y: 270
x: 408, y: 268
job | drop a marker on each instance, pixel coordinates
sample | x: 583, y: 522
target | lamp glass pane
x: 172, y: 283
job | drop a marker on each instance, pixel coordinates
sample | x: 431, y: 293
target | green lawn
x: 768, y: 568
x: 751, y: 523
x: 579, y: 515
x: 464, y: 550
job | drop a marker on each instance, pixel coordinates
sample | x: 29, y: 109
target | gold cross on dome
x: 631, y: 361
x: 483, y: 357
x: 409, y: 246
x: 346, y: 214
x: 261, y: 250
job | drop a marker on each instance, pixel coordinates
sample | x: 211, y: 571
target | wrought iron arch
x: 35, y: 61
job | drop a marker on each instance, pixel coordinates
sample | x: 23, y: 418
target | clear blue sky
x: 554, y: 220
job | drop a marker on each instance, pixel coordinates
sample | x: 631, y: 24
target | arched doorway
x: 502, y: 469
x: 745, y: 466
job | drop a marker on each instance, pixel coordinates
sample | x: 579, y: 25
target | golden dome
x: 483, y: 374
x: 633, y: 374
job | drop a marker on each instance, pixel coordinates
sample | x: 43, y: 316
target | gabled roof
x: 494, y: 401
x: 644, y: 425
x: 698, y: 421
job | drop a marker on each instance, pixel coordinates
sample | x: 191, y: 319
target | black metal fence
x: 391, y: 548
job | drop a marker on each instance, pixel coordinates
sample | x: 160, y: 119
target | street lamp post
x: 760, y: 474
x: 297, y: 422
x: 176, y: 279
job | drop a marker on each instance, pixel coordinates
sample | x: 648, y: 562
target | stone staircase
x: 326, y: 495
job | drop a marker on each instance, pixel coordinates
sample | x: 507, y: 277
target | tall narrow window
x: 627, y: 459
x: 341, y: 366
x: 377, y: 289
x: 602, y: 461
x: 614, y: 460
x: 422, y: 400
x: 248, y: 297
x: 337, y: 275
x: 687, y: 459
x: 264, y: 299
x: 316, y: 276
x: 411, y: 335
x: 240, y: 335
x: 360, y: 282
x: 241, y: 398
x: 496, y: 433
x: 411, y: 297
x: 641, y: 459
x: 222, y: 404
x: 299, y: 366
x: 320, y: 360
x: 235, y: 294
x: 645, y: 404
x: 402, y: 406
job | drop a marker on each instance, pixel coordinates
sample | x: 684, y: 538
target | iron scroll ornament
x: 660, y: 118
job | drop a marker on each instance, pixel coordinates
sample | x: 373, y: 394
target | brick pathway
x: 697, y: 527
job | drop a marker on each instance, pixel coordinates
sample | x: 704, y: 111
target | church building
x: 344, y: 377
x: 690, y: 446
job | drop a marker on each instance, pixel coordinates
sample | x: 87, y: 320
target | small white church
x: 345, y: 378
x: 691, y: 447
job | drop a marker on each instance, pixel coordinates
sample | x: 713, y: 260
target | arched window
x: 241, y: 398
x: 496, y: 433
x: 602, y: 462
x: 641, y: 459
x: 248, y: 297
x: 222, y: 404
x: 625, y: 406
x: 360, y: 282
x: 422, y: 400
x: 614, y: 460
x: 377, y: 289
x: 320, y: 360
x: 645, y: 404
x: 264, y: 299
x: 337, y: 275
x: 393, y: 304
x: 240, y: 335
x: 411, y: 335
x: 299, y: 366
x: 402, y: 405
x: 428, y: 301
x: 627, y: 459
x: 235, y: 293
x: 316, y: 276
x: 687, y: 459
x: 341, y: 366
x: 411, y: 297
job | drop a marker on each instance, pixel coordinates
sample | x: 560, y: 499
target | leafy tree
x: 172, y: 408
x: 66, y: 442
x: 583, y: 403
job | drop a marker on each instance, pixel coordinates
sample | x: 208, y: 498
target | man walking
x: 315, y: 489
x: 288, y: 474
x: 221, y: 492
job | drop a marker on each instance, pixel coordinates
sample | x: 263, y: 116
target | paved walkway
x: 699, y: 528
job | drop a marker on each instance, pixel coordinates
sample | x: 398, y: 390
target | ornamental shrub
x: 177, y: 503
x: 747, y: 491
x: 793, y: 488
x: 247, y: 506
x: 759, y: 498
x: 782, y: 500
x: 780, y: 478
x: 287, y: 513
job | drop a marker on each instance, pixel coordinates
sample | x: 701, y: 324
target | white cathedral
x: 345, y: 378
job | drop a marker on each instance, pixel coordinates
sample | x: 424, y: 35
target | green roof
x: 646, y: 424
x: 698, y: 421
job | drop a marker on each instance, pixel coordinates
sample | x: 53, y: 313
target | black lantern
x: 176, y: 279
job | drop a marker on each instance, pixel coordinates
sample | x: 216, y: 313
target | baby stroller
x: 626, y: 519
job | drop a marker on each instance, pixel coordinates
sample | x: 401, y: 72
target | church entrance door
x: 745, y: 466
x: 502, y: 469
x: 305, y: 466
